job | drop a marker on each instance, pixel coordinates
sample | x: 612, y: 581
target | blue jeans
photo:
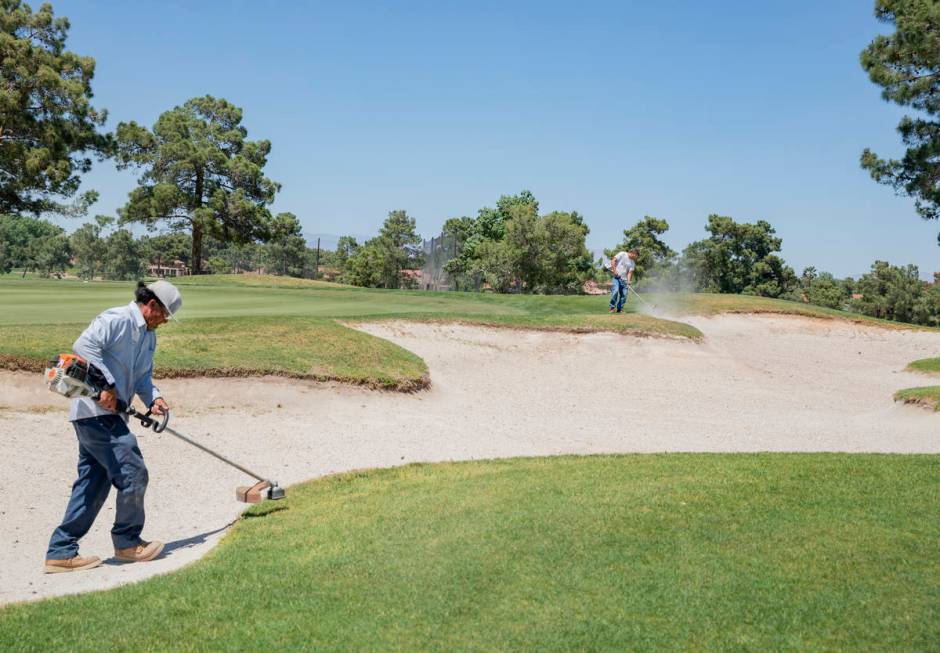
x: 107, y: 455
x: 618, y: 293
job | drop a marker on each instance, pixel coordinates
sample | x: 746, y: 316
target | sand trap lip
x: 757, y: 383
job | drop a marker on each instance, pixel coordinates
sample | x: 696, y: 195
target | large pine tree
x: 199, y: 174
x: 906, y: 64
x: 48, y: 128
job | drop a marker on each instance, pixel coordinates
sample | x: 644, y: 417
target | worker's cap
x: 168, y: 295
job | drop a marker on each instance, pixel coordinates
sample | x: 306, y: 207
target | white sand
x: 755, y: 384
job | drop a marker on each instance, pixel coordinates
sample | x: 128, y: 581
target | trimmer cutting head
x: 260, y: 491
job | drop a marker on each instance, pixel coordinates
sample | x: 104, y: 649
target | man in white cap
x: 120, y: 343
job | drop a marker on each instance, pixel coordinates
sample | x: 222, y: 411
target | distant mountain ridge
x: 329, y: 241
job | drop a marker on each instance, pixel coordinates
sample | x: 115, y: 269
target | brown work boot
x: 141, y: 553
x: 78, y: 563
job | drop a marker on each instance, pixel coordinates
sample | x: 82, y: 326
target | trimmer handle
x: 148, y: 419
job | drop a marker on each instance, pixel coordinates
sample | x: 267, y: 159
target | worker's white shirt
x: 623, y: 264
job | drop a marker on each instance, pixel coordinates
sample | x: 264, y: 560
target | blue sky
x: 614, y: 109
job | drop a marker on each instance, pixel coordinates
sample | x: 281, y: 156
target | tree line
x: 102, y: 249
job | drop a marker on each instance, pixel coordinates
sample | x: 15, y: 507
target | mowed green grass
x: 39, y: 301
x: 249, y: 324
x: 928, y: 396
x: 268, y: 325
x: 781, y: 552
x: 313, y: 348
x: 264, y: 333
x: 925, y: 366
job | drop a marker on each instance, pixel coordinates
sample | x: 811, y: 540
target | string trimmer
x: 72, y: 376
x: 263, y: 489
x: 640, y: 297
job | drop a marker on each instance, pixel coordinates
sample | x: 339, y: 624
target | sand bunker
x: 762, y: 383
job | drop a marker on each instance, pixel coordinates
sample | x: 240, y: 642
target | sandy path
x: 756, y: 384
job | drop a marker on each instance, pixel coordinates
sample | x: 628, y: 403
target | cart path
x: 757, y: 383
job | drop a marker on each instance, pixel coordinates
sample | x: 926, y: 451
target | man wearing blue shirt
x: 120, y: 342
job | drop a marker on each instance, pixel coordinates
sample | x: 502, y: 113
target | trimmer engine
x: 72, y: 376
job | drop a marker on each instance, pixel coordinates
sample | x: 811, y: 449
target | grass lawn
x: 606, y: 553
x: 928, y: 396
x: 304, y: 347
x: 249, y: 324
x: 925, y: 365
x: 39, y: 301
x: 269, y: 325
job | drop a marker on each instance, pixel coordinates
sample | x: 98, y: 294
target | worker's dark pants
x: 107, y: 455
x: 618, y: 293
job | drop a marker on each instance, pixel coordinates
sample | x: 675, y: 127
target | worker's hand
x: 159, y: 406
x: 108, y: 400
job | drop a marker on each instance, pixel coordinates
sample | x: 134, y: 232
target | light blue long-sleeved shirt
x: 118, y: 343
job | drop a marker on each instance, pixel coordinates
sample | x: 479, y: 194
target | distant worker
x: 120, y: 343
x: 621, y: 267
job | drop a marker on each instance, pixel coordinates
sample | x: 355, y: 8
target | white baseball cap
x: 168, y: 295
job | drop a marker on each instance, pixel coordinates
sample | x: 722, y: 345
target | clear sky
x: 619, y: 109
